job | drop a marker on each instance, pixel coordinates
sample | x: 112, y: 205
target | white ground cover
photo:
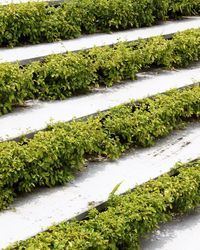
x: 39, y: 114
x: 32, y: 213
x: 180, y: 234
x: 26, y: 54
x: 35, y: 212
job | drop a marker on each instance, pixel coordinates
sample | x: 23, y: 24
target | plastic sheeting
x: 180, y: 234
x: 39, y: 114
x: 35, y: 212
x: 30, y: 53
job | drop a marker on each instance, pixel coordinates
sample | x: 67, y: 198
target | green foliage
x: 128, y: 217
x: 186, y: 47
x: 14, y: 83
x: 112, y: 193
x: 36, y: 22
x: 184, y: 7
x: 61, y: 76
x: 39, y: 22
x: 52, y: 157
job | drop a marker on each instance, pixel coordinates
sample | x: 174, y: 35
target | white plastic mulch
x: 180, y: 234
x: 26, y: 54
x: 39, y: 114
x: 35, y: 212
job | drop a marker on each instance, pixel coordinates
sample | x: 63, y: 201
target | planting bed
x: 39, y: 22
x: 35, y: 212
x: 53, y: 156
x: 29, y: 53
x: 61, y: 76
x: 37, y: 115
x: 62, y: 171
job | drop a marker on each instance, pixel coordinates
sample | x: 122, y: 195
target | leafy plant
x: 38, y: 22
x: 112, y: 193
x: 128, y: 217
x: 52, y: 157
x: 61, y: 76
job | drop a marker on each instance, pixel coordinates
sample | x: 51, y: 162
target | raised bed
x: 32, y: 213
x: 37, y: 115
x: 61, y: 76
x: 54, y: 156
x: 27, y: 54
x: 139, y: 212
x: 38, y: 22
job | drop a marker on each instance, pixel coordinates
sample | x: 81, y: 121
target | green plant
x: 116, y: 187
x: 14, y: 83
x: 184, y: 7
x: 38, y: 22
x: 52, y: 157
x: 128, y: 217
x: 61, y: 76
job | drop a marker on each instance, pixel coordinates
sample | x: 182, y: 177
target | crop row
x: 39, y: 22
x: 53, y: 157
x: 60, y: 76
x: 128, y: 217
